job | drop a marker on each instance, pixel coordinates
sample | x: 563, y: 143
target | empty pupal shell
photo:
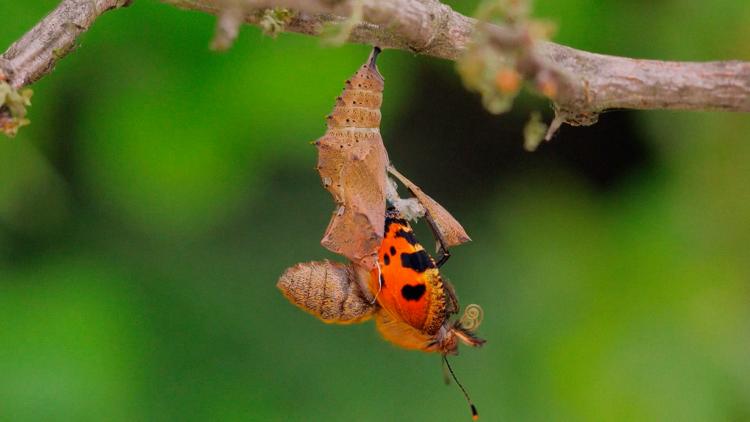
x: 327, y: 290
x: 351, y: 163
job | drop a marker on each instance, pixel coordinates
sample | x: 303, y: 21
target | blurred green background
x: 161, y: 189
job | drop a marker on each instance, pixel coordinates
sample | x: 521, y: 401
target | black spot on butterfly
x: 418, y: 261
x: 408, y: 236
x: 413, y: 293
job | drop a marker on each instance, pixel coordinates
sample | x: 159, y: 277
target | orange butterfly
x: 416, y: 301
x: 412, y: 304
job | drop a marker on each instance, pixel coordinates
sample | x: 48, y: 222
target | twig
x: 587, y: 83
x: 608, y: 82
x: 35, y: 54
x: 595, y: 82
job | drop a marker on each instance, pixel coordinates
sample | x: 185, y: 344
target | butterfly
x: 413, y: 305
x: 416, y: 302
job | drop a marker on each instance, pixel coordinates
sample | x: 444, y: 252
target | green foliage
x: 162, y: 188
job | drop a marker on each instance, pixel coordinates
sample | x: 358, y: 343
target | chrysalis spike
x: 373, y: 56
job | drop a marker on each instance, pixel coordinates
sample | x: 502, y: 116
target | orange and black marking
x: 408, y: 283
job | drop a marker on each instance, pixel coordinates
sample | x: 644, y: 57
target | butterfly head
x: 460, y: 331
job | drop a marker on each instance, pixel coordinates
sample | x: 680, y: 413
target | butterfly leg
x: 442, y: 249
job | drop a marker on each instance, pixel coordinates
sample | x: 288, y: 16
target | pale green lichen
x: 273, y: 21
x: 534, y: 131
x: 479, y: 69
x: 13, y: 105
x: 61, y: 52
x: 482, y: 64
x: 495, y: 66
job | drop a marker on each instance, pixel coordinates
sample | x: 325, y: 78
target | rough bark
x: 587, y: 83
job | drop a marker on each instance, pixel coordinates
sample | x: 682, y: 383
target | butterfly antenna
x: 446, y: 375
x: 474, y: 413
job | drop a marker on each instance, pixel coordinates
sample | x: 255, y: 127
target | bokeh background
x: 162, y: 188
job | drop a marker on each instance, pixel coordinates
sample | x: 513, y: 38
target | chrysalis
x: 352, y: 165
x: 326, y: 290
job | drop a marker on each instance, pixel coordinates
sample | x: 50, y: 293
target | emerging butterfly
x: 389, y: 275
x: 412, y: 304
x: 416, y: 302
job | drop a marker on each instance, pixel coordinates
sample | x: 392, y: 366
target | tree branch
x: 35, y: 54
x: 588, y: 83
x: 582, y: 84
x: 609, y: 82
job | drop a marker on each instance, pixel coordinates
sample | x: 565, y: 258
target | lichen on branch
x: 580, y: 84
x: 13, y: 105
x: 496, y: 62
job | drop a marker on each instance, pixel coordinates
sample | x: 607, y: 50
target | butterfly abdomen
x: 327, y: 290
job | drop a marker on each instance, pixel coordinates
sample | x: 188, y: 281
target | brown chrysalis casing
x: 327, y: 290
x: 352, y: 164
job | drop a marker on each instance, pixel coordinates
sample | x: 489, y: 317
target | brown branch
x: 583, y: 83
x: 425, y: 27
x: 608, y: 82
x: 589, y: 83
x: 35, y: 54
